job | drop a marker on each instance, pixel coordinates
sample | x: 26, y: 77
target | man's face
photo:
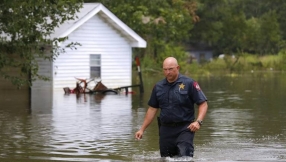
x: 171, y: 72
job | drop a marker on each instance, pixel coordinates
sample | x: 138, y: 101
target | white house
x: 105, y: 51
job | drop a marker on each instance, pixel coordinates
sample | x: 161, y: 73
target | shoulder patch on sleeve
x: 196, y: 85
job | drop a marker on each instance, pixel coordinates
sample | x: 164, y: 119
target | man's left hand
x: 194, y: 126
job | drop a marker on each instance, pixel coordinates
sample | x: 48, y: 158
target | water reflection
x: 66, y: 127
x: 95, y: 126
x: 41, y: 101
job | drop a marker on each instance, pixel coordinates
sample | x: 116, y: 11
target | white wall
x: 95, y: 37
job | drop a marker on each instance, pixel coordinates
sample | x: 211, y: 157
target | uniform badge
x: 196, y: 85
x: 181, y: 86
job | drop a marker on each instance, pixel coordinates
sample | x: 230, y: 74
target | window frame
x: 95, y: 62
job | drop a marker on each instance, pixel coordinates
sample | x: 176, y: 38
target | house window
x: 95, y: 65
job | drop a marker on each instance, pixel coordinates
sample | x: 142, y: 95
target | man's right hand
x: 139, y: 135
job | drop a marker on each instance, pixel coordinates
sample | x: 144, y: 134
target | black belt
x: 175, y: 124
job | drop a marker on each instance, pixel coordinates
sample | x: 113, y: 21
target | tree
x: 25, y: 29
x: 231, y: 26
x: 270, y: 34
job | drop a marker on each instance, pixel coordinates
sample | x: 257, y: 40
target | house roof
x: 88, y: 11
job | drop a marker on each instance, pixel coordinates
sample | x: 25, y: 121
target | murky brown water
x: 245, y: 122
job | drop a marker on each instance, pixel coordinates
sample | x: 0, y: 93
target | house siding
x: 96, y: 37
x: 45, y: 69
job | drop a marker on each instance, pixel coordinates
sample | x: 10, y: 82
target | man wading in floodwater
x: 175, y: 96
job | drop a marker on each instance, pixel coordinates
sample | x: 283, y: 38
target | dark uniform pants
x: 176, y: 141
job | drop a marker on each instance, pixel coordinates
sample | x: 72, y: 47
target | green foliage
x: 25, y: 31
x: 231, y: 26
x: 248, y: 62
x: 269, y: 33
x: 216, y: 65
x: 151, y: 65
x: 170, y: 50
x: 282, y: 58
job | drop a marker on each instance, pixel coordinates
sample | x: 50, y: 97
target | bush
x: 240, y: 63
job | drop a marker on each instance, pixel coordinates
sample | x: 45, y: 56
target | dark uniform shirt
x: 176, y: 100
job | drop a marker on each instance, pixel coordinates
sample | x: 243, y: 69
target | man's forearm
x: 151, y: 112
x: 203, y: 107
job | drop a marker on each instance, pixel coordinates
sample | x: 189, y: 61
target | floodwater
x: 245, y: 122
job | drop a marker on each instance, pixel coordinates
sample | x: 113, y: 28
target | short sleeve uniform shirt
x: 176, y: 100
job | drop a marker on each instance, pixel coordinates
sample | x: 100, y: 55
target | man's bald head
x: 171, y: 69
x: 170, y: 61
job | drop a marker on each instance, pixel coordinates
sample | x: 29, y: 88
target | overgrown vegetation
x: 230, y: 64
x: 248, y: 62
